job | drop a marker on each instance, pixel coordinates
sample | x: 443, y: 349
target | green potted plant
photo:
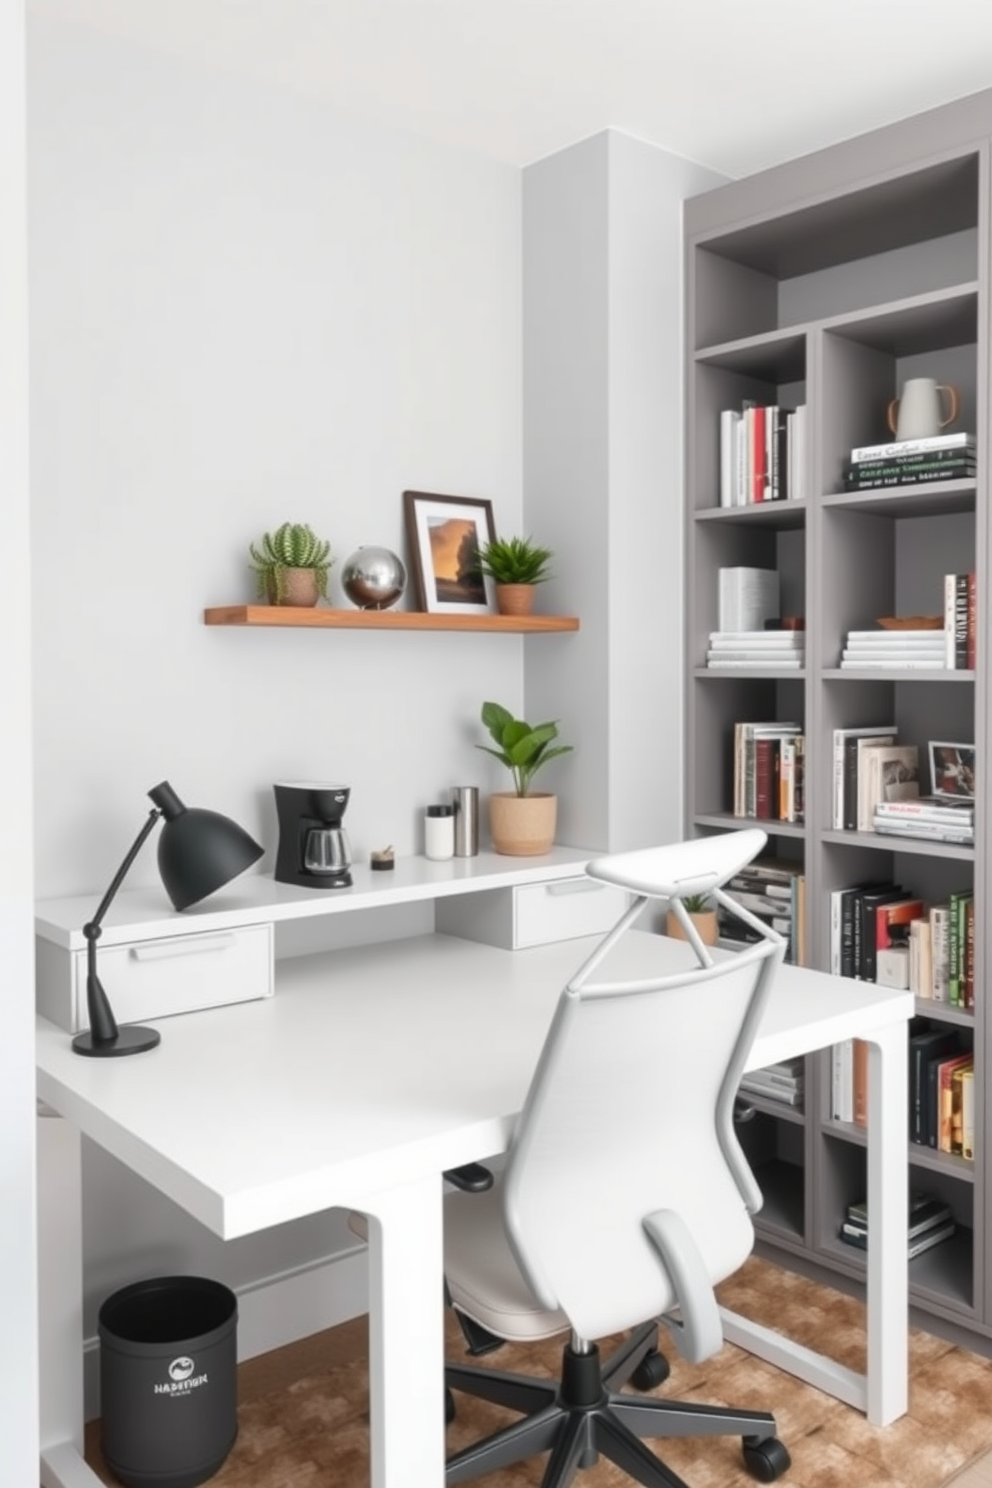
x: 291, y: 565
x: 515, y: 565
x: 521, y: 822
x: 702, y: 914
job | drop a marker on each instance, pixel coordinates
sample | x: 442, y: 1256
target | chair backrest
x: 630, y: 1116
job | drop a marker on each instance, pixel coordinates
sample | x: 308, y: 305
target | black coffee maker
x: 313, y: 846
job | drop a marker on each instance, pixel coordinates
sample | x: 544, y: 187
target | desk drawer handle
x: 159, y: 950
x: 574, y: 886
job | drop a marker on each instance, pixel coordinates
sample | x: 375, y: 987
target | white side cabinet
x: 158, y: 977
x: 533, y: 914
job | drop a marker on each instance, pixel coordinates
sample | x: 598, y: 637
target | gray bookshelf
x: 830, y: 281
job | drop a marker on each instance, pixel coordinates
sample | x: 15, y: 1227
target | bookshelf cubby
x: 829, y: 283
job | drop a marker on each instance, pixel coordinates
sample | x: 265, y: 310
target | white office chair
x: 626, y: 1196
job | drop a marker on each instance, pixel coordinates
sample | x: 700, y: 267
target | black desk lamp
x: 198, y: 852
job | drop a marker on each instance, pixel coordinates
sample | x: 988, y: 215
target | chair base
x: 583, y: 1417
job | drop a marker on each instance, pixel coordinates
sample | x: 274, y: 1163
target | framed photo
x: 445, y: 534
x: 952, y: 770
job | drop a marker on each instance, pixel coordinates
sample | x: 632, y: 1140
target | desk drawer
x: 157, y: 978
x: 564, y: 909
x: 532, y: 914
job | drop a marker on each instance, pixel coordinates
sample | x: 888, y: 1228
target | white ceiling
x: 733, y: 84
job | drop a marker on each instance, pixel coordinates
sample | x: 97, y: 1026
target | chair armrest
x: 699, y: 1333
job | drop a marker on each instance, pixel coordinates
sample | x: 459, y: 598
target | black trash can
x: 168, y: 1380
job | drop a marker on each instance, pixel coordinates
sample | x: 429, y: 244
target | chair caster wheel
x: 766, y: 1460
x: 449, y: 1407
x: 652, y: 1371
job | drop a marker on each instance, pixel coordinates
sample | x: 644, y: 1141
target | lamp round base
x: 131, y: 1039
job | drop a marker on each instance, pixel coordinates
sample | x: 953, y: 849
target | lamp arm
x: 102, y: 1021
x: 122, y: 871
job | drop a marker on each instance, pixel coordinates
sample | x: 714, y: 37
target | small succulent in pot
x: 293, y: 549
x: 515, y: 560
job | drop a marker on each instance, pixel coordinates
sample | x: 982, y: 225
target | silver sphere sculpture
x: 373, y: 578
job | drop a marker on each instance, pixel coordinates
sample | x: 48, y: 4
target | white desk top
x: 371, y: 1066
x: 146, y: 914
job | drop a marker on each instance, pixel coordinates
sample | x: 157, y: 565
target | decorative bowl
x: 911, y: 622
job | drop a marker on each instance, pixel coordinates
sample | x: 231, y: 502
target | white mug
x: 919, y: 414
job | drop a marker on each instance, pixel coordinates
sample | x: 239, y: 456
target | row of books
x: 762, y: 454
x: 757, y: 648
x: 941, y: 1091
x: 769, y: 771
x: 960, y: 621
x: 870, y: 766
x: 784, y: 1082
x: 881, y: 932
x: 931, y: 1222
x: 774, y: 891
x: 911, y: 462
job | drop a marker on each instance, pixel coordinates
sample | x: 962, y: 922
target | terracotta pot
x: 522, y: 826
x: 705, y: 924
x: 515, y: 599
x: 299, y: 588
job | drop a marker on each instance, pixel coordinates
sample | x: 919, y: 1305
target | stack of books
x: 746, y: 598
x: 910, y: 462
x: 930, y: 1222
x: 757, y: 648
x: 774, y: 891
x: 777, y: 1082
x: 937, y: 818
x: 911, y: 649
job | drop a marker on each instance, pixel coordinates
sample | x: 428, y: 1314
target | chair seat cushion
x: 482, y: 1275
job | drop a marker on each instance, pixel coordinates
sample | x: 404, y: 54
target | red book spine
x: 765, y: 773
x: 758, y: 470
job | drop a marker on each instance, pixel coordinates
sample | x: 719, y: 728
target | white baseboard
x: 275, y: 1311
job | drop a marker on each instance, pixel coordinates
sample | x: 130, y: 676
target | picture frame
x: 445, y: 534
x: 952, y: 770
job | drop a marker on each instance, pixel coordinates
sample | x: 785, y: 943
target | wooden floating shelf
x: 330, y: 619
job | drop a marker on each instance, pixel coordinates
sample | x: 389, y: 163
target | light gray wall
x: 246, y: 311
x: 243, y: 311
x: 602, y: 239
x: 18, y: 1233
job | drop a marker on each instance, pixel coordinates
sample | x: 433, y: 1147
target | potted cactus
x: 291, y: 565
x: 521, y: 822
x: 515, y: 565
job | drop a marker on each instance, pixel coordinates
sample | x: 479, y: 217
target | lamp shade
x: 198, y: 851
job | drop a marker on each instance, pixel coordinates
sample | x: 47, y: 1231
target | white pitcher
x: 919, y: 413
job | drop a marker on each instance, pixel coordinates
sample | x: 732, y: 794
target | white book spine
x: 728, y: 445
x: 912, y: 446
x: 950, y: 599
x: 876, y: 663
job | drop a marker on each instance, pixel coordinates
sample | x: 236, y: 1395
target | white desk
x: 368, y: 1073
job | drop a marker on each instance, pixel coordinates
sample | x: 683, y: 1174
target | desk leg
x: 882, y: 1392
x: 406, y: 1336
x: 888, y: 1206
x: 60, y: 1309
